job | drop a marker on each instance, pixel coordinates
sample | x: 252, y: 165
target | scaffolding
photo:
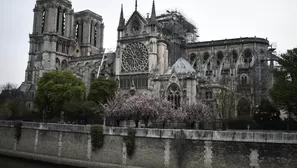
x: 177, y: 30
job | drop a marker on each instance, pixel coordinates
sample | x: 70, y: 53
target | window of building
x: 95, y: 34
x: 91, y: 32
x: 82, y: 31
x: 140, y: 81
x: 58, y: 64
x: 43, y: 21
x: 244, y: 80
x: 174, y: 95
x: 247, y: 56
x: 205, y: 57
x: 76, y: 31
x: 63, y: 22
x: 220, y: 55
x: 192, y: 57
x: 58, y: 19
x: 208, y: 94
x: 234, y: 56
x: 64, y: 64
x: 63, y: 48
x: 57, y: 46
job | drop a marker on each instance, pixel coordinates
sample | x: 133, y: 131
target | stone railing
x: 209, y: 135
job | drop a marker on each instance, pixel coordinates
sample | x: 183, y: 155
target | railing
x: 229, y: 135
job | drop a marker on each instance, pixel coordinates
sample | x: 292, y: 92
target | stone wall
x: 155, y: 148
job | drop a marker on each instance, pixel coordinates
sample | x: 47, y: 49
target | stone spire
x: 135, y: 5
x: 122, y: 20
x: 153, y: 20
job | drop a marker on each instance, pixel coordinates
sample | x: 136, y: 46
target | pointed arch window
x: 174, y: 95
x: 205, y: 57
x: 63, y: 22
x: 247, y: 56
x: 234, y: 56
x: 58, y: 19
x: 220, y: 57
x: 76, y: 31
x: 58, y: 64
x: 244, y: 80
x: 91, y: 32
x: 64, y: 65
x: 95, y: 34
x: 82, y: 31
x: 43, y: 21
x: 192, y: 57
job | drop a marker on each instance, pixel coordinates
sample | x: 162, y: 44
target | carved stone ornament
x: 136, y: 26
x: 135, y: 58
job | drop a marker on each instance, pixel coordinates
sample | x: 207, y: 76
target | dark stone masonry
x: 155, y: 148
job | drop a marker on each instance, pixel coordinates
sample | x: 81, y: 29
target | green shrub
x: 130, y: 142
x: 18, y: 130
x: 97, y: 137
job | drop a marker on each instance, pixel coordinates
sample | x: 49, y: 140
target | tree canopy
x: 11, y: 104
x: 55, y: 88
x: 102, y: 89
x: 284, y: 90
x: 79, y: 111
x: 145, y: 107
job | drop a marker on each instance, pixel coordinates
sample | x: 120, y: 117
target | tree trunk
x: 146, y: 120
x: 193, y: 125
x: 118, y: 123
x: 163, y: 124
x: 136, y: 123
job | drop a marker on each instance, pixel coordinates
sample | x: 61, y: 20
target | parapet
x: 244, y: 40
x: 203, y: 135
x: 86, y: 13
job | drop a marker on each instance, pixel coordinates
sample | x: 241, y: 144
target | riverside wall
x: 155, y: 148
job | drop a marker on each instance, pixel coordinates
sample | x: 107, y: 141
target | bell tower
x: 50, y: 41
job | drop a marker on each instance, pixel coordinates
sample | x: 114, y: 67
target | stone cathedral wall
x: 155, y: 148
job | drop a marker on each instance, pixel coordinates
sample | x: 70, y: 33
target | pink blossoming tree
x: 148, y: 108
x: 196, y: 112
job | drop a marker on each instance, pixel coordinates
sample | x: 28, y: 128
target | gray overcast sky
x: 215, y: 19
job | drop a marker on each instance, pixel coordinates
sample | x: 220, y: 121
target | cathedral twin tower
x: 59, y: 34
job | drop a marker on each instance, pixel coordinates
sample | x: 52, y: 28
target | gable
x: 135, y: 25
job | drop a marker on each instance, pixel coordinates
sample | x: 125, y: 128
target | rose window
x: 135, y: 58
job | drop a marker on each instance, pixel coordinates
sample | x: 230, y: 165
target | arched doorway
x: 174, y: 95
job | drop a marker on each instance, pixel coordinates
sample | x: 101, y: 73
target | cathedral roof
x: 181, y: 66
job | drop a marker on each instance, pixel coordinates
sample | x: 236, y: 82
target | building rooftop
x: 242, y: 40
x: 88, y: 13
x: 181, y: 66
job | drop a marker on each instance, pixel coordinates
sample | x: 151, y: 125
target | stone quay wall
x: 155, y: 148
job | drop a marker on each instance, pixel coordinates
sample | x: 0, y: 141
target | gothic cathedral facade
x: 157, y: 54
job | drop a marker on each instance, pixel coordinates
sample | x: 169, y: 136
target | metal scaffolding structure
x: 177, y: 31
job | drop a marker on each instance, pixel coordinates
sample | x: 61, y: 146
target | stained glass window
x: 135, y: 58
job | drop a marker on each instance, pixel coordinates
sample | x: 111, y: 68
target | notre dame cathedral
x: 159, y: 54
